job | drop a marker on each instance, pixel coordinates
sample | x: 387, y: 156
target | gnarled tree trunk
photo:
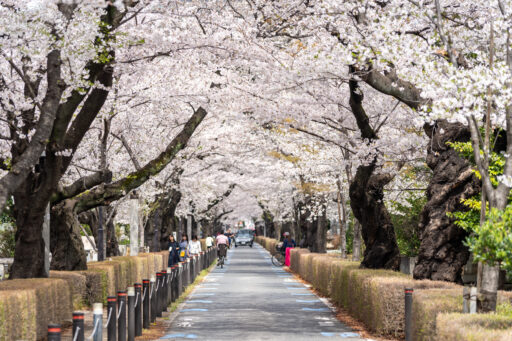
x: 442, y: 253
x: 367, y: 202
x: 65, y: 241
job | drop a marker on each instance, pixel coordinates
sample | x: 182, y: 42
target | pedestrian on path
x: 288, y: 244
x: 184, y: 254
x: 209, y: 242
x: 194, y: 247
x: 174, y: 250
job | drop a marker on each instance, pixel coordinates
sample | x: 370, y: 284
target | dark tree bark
x: 442, y: 254
x: 66, y: 244
x: 367, y: 203
x: 367, y: 198
x: 161, y: 221
x: 70, y: 124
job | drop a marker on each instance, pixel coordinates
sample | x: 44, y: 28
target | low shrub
x: 466, y: 327
x: 27, y: 306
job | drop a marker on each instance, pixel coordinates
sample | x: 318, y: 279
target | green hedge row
x: 376, y: 297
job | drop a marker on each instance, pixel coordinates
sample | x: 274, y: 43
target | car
x: 244, y: 238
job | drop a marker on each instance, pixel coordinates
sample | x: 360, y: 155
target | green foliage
x: 491, y: 242
x: 405, y: 218
x: 7, y: 231
x: 496, y: 162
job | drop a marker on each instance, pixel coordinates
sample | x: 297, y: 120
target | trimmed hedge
x: 376, y: 297
x: 461, y: 327
x: 27, y: 306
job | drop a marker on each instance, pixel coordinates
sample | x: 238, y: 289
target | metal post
x: 180, y: 279
x: 152, y: 295
x: 138, y: 309
x: 408, y: 314
x: 112, y: 318
x: 101, y: 249
x: 145, y: 303
x: 46, y: 239
x: 121, y: 316
x: 54, y: 332
x: 169, y: 287
x: 165, y: 290
x: 78, y: 326
x: 131, y: 314
x: 159, y: 294
x: 98, y: 321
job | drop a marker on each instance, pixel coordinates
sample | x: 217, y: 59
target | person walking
x: 174, y: 249
x: 209, y: 242
x: 194, y: 247
x: 184, y: 248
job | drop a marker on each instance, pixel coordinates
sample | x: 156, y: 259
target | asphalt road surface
x: 250, y: 299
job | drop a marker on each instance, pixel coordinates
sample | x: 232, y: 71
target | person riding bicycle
x: 288, y: 243
x: 222, y: 243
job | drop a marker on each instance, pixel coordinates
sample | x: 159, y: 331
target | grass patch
x: 188, y: 290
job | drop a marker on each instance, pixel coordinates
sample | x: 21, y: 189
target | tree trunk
x: 356, y: 242
x: 367, y: 203
x: 321, y: 232
x: 66, y: 244
x: 29, y: 211
x: 442, y: 253
x: 487, y: 295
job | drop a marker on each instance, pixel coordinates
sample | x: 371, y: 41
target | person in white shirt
x: 194, y: 247
x: 209, y: 242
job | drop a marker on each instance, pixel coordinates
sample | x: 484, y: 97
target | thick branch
x: 356, y: 104
x: 80, y: 185
x: 23, y: 165
x: 103, y: 195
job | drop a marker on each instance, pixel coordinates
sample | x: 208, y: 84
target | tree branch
x: 103, y: 195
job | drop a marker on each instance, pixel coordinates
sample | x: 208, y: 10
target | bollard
x: 152, y: 298
x: 53, y: 331
x: 138, y: 309
x: 181, y: 269
x: 78, y: 326
x: 131, y: 313
x: 408, y: 314
x: 192, y: 269
x: 158, y: 294
x: 165, y: 291
x: 121, y: 316
x: 97, y: 321
x: 174, y: 283
x: 112, y: 318
x: 169, y: 287
x: 187, y: 273
x: 145, y: 303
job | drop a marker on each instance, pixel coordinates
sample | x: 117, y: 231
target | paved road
x: 250, y: 299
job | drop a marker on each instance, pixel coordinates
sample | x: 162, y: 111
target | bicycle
x: 278, y: 258
x: 222, y: 255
